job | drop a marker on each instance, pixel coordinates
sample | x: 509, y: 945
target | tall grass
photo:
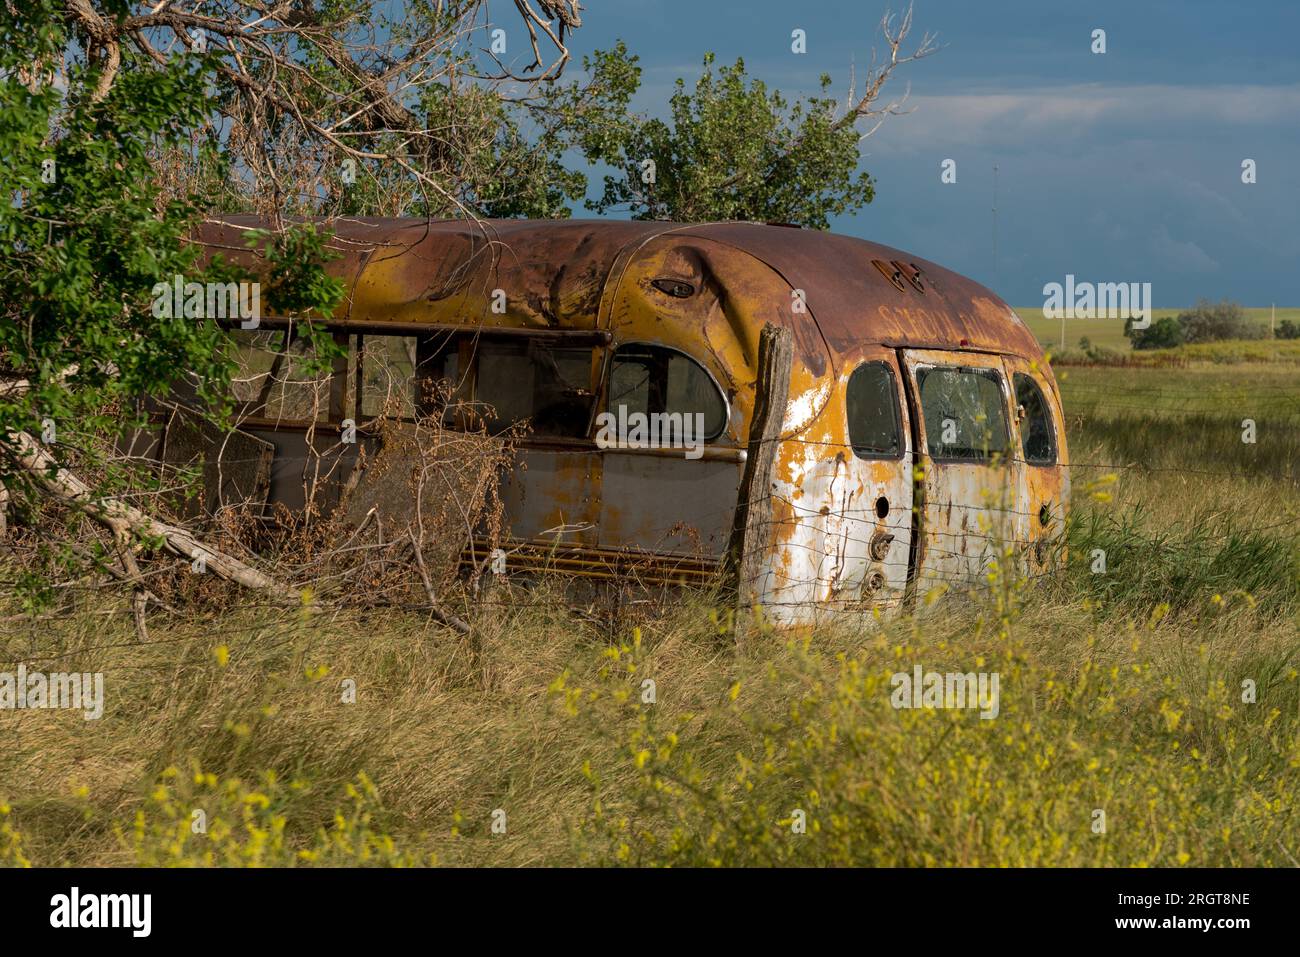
x: 1128, y: 753
x: 1149, y: 714
x: 1201, y: 563
x: 542, y: 724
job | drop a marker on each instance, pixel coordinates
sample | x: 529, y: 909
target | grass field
x: 1150, y: 713
x: 1109, y: 333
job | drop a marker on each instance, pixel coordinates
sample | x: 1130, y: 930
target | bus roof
x: 554, y: 273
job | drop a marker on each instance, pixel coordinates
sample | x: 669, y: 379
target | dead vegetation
x: 192, y: 527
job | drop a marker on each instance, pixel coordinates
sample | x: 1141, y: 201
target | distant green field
x: 1186, y: 424
x: 1110, y: 332
x: 1269, y: 391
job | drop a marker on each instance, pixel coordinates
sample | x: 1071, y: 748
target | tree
x: 732, y: 149
x: 123, y: 123
x: 1204, y: 322
x: 84, y: 239
x: 1162, y: 334
x: 1211, y: 322
x: 322, y: 107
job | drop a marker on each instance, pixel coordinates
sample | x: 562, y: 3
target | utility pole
x: 995, y: 225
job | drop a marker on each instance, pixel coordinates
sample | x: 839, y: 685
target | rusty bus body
x: 920, y: 425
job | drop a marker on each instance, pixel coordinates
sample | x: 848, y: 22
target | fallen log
x: 124, y: 520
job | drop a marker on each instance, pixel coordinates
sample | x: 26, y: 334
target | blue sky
x: 1124, y: 166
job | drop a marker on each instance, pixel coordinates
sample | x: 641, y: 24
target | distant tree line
x: 1205, y: 322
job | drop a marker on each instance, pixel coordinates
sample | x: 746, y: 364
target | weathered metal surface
x: 554, y: 273
x: 968, y: 509
x: 845, y: 523
x: 403, y: 270
x: 630, y: 564
x: 1042, y: 492
x: 843, y: 527
x: 304, y: 464
x: 666, y: 503
x: 855, y: 305
x: 554, y: 495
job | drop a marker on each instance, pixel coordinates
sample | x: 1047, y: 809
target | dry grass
x: 1122, y: 693
x: 451, y: 729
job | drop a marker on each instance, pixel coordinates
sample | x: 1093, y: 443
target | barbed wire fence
x: 410, y: 519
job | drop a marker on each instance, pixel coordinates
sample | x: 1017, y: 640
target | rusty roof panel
x: 553, y: 273
x: 854, y: 303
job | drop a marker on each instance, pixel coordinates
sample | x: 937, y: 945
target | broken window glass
x: 1036, y: 437
x: 529, y: 381
x: 965, y: 413
x: 387, y: 369
x: 276, y: 377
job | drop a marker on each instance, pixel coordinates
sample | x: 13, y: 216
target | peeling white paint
x: 804, y: 408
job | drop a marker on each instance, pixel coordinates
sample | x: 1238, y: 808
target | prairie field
x: 1149, y: 706
x: 1109, y: 333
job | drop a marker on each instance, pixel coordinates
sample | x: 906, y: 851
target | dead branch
x: 123, y: 576
x: 865, y: 106
x: 445, y: 617
x: 879, y: 75
x: 288, y: 123
x: 125, y: 521
x: 102, y: 45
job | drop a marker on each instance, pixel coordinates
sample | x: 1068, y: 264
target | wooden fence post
x: 751, y: 532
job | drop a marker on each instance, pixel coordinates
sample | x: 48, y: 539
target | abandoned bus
x: 841, y: 424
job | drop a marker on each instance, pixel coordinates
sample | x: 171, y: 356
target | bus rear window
x: 965, y: 413
x: 872, y: 405
x: 1037, y: 440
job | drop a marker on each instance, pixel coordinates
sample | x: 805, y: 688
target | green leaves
x: 87, y: 233
x: 731, y: 149
x: 292, y: 290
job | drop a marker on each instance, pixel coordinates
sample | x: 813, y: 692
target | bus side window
x: 965, y: 413
x: 543, y: 386
x: 402, y: 376
x: 439, y: 382
x: 276, y: 378
x: 387, y: 364
x: 655, y: 380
